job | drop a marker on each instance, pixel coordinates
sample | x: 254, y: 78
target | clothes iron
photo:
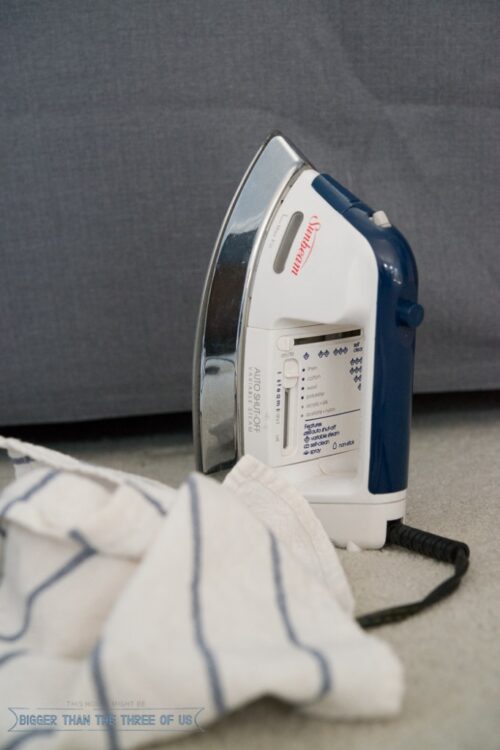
x: 305, y: 344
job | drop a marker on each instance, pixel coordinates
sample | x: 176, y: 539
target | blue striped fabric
x: 196, y: 609
x: 31, y: 492
x: 18, y: 461
x: 78, y: 536
x: 5, y: 658
x: 102, y: 695
x: 67, y: 568
x: 325, y: 681
x: 150, y: 499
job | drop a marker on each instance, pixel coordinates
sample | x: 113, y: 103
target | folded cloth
x: 131, y: 612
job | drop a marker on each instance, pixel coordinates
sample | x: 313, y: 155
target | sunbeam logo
x: 306, y: 245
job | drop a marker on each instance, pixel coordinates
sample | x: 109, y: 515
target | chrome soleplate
x: 217, y: 355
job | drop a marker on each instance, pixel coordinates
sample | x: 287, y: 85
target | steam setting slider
x: 290, y: 373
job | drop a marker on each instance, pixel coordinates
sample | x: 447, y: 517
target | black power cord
x: 430, y: 545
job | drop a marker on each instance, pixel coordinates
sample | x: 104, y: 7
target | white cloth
x: 123, y: 597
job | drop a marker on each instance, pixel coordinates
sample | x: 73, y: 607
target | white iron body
x: 304, y: 401
x: 305, y: 358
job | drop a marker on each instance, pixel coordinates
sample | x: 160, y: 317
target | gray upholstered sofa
x: 125, y: 129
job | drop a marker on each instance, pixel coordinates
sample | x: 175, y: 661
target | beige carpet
x: 451, y: 653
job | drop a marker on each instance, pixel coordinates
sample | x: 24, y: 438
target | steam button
x: 285, y: 343
x: 380, y: 219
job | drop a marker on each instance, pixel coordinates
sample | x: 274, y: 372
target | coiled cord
x: 430, y: 545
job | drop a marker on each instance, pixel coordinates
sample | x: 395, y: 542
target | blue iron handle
x: 398, y: 315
